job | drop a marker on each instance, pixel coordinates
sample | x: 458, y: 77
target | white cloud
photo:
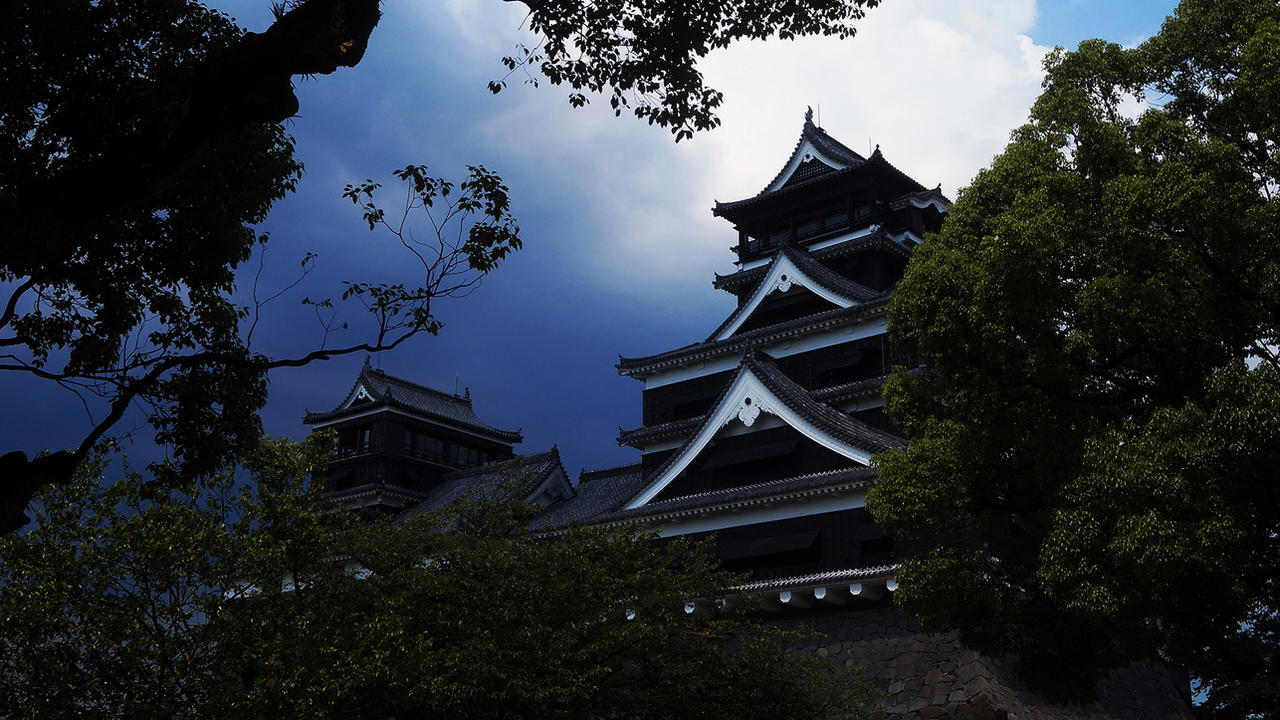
x: 939, y: 85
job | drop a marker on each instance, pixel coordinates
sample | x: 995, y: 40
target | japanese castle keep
x: 763, y: 433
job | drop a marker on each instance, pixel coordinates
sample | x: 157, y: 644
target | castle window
x: 428, y: 447
x: 808, y: 226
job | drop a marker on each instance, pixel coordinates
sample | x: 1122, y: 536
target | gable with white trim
x: 806, y: 152
x: 782, y: 277
x: 746, y: 400
x: 357, y: 395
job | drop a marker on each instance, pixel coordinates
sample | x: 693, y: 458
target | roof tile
x: 392, y: 391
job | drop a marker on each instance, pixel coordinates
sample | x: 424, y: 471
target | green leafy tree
x: 1092, y: 472
x: 230, y: 599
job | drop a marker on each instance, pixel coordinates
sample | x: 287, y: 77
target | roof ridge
x: 517, y: 461
x: 771, y: 374
x: 766, y: 483
x: 871, y: 240
x: 830, y: 279
x: 463, y: 400
x: 819, y: 138
x: 876, y: 158
x: 750, y: 337
x: 861, y: 571
x: 820, y: 275
x: 585, y: 475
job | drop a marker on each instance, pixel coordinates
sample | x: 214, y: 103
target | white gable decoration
x: 745, y: 400
x: 360, y: 393
x: 806, y: 152
x: 782, y: 276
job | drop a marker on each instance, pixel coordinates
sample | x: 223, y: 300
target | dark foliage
x: 1093, y: 460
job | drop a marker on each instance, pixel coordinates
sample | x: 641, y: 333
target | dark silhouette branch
x: 10, y: 308
x: 248, y: 84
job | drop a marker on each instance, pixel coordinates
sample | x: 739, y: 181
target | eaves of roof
x: 678, y: 429
x: 823, y: 142
x: 821, y: 415
x: 492, y: 481
x: 825, y: 419
x: 598, y: 492
x: 921, y: 196
x: 876, y: 160
x: 383, y: 390
x: 877, y: 240
x: 644, y: 435
x: 821, y: 275
x: 738, y: 498
x: 533, y: 468
x: 508, y: 436
x: 586, y: 476
x: 828, y: 577
x: 376, y: 489
x: 643, y: 366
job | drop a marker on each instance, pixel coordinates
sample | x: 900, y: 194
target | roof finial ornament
x: 808, y: 115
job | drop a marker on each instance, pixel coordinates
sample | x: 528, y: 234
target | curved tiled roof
x: 390, y: 391
x: 640, y: 366
x: 920, y: 198
x: 819, y: 274
x: 819, y: 414
x: 823, y: 143
x: 848, y: 478
x: 641, y: 436
x: 877, y: 240
x: 674, y: 429
x: 826, y: 419
x: 819, y: 578
x: 856, y: 390
x: 517, y: 477
x: 875, y: 161
x: 598, y: 492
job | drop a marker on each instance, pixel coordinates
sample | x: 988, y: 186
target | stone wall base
x: 932, y: 676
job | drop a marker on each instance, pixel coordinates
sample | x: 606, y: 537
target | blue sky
x: 620, y: 245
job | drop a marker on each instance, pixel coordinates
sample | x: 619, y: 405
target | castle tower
x: 764, y: 432
x: 763, y: 435
x: 398, y: 440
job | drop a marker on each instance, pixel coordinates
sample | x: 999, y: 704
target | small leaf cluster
x: 469, y: 230
x: 644, y: 53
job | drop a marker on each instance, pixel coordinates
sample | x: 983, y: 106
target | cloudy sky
x: 620, y: 244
